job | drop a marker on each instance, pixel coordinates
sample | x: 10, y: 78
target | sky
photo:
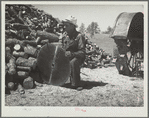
x: 104, y: 14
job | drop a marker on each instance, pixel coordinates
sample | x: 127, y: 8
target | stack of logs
x: 96, y: 57
x: 21, y: 57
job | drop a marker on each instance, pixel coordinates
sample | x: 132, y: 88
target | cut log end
x: 28, y: 83
x: 11, y: 85
x: 17, y: 47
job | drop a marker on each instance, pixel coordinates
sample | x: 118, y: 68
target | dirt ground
x: 102, y: 87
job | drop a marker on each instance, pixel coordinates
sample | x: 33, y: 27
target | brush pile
x: 96, y: 57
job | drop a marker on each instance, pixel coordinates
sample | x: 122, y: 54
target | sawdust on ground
x: 102, y: 87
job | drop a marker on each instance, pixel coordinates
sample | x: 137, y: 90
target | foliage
x: 82, y: 28
x: 93, y: 28
x: 108, y: 31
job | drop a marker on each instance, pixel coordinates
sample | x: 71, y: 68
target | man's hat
x: 71, y: 19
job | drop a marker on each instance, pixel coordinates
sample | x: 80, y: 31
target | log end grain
x: 28, y: 83
x: 17, y: 47
x: 11, y: 85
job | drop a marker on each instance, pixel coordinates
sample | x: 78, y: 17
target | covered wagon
x: 128, y: 35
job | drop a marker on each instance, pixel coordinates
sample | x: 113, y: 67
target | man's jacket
x: 76, y: 46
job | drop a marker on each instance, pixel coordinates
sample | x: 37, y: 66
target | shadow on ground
x: 86, y: 84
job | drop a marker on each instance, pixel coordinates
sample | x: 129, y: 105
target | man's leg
x: 75, y: 72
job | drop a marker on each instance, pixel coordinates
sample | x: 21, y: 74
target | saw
x: 53, y: 65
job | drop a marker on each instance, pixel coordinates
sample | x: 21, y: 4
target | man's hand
x: 68, y: 54
x: 64, y: 34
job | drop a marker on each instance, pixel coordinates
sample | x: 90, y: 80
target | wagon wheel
x: 131, y: 62
x: 134, y: 53
x: 131, y: 53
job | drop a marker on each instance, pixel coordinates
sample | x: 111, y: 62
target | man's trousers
x: 75, y: 71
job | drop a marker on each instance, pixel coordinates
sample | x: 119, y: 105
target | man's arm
x: 81, y: 47
x: 90, y: 52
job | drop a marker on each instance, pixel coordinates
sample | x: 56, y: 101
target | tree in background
x: 82, y: 28
x: 93, y: 28
x: 109, y: 30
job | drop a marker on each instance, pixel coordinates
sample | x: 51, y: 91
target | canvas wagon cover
x: 129, y: 26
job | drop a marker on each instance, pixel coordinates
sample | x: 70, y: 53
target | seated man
x: 75, y: 50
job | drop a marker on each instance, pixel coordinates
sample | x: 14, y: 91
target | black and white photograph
x: 74, y: 58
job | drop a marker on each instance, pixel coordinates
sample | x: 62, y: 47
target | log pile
x: 96, y: 57
x: 27, y: 29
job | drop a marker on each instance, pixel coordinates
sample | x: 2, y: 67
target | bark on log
x: 45, y: 35
x: 11, y: 42
x: 32, y: 43
x: 20, y: 54
x: 30, y: 50
x: 33, y: 59
x: 22, y: 68
x: 28, y: 83
x: 19, y: 26
x: 8, y: 55
x: 22, y: 74
x: 26, y: 62
x: 12, y: 66
x: 43, y: 42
